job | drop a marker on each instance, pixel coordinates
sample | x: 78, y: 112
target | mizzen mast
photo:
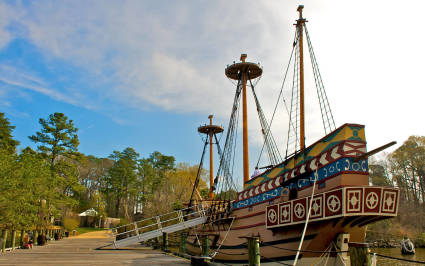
x: 243, y: 72
x: 210, y: 130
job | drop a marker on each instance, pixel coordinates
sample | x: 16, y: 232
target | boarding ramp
x: 155, y: 226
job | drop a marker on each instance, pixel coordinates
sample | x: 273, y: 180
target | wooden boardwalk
x: 81, y: 250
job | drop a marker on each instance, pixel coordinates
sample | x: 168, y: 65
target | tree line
x: 404, y: 168
x: 55, y: 181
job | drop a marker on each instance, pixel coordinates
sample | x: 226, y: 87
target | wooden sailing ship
x: 311, y: 204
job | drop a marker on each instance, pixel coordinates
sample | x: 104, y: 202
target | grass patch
x: 82, y: 230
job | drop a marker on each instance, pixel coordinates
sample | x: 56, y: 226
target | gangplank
x: 155, y: 226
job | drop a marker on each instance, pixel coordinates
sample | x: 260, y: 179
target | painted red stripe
x: 241, y: 227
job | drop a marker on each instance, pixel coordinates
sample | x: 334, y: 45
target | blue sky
x: 145, y: 74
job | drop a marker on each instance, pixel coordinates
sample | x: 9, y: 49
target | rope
x: 272, y: 149
x: 295, y: 89
x: 225, y: 169
x: 198, y: 174
x: 395, y: 258
x: 278, y: 98
x: 281, y: 263
x: 308, y: 215
x: 305, y: 250
x: 323, y: 255
x: 325, y: 109
x: 225, y: 236
x: 221, y: 252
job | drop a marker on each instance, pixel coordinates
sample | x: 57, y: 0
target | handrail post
x: 158, y: 221
x: 201, y: 210
x: 136, y: 229
x: 180, y: 214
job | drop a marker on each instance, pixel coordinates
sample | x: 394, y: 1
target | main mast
x: 300, y: 24
x: 242, y: 72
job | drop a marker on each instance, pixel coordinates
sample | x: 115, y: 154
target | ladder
x: 153, y: 227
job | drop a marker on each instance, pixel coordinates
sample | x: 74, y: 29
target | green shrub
x: 70, y: 223
x: 420, y: 240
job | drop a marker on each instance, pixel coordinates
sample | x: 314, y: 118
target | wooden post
x: 21, y: 238
x: 13, y: 239
x: 253, y: 251
x: 35, y: 235
x: 359, y: 254
x: 182, y: 248
x: 205, y: 246
x: 156, y: 243
x: 4, y: 236
x: 165, y: 242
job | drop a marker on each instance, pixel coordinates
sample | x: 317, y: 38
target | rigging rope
x: 325, y: 109
x: 278, y: 98
x: 225, y: 236
x: 295, y: 89
x: 304, y: 250
x: 272, y: 150
x: 308, y: 215
x: 226, y: 159
x: 198, y: 174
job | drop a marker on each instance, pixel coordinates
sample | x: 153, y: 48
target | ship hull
x: 277, y: 244
x: 343, y: 207
x: 276, y: 205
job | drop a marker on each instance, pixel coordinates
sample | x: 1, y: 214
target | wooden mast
x: 210, y: 131
x: 300, y: 24
x: 244, y: 71
x: 245, y: 124
x: 211, y: 159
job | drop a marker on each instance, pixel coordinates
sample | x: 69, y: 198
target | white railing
x: 160, y: 222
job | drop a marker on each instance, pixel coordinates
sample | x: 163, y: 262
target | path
x: 81, y: 250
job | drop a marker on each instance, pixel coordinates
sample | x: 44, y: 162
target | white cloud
x: 172, y: 55
x: 17, y: 78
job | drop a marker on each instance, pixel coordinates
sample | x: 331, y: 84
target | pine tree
x: 6, y: 140
x: 58, y: 143
x: 58, y: 136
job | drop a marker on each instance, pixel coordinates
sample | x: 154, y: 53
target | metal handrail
x: 151, y: 218
x: 200, y: 212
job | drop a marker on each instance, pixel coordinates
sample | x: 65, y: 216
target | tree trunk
x: 13, y: 239
x: 117, y: 207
